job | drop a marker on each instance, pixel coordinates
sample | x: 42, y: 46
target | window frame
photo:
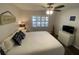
x: 43, y: 25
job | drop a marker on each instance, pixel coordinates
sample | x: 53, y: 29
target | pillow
x: 7, y: 44
x: 2, y: 46
x: 22, y: 34
x: 17, y: 39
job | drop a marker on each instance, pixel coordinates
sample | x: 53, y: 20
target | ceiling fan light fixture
x: 49, y: 12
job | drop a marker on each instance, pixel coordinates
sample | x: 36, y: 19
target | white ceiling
x: 37, y: 6
x: 29, y: 6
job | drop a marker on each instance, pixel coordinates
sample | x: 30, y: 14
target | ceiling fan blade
x: 43, y: 6
x: 58, y: 10
x: 50, y: 3
x: 60, y: 6
x: 50, y: 7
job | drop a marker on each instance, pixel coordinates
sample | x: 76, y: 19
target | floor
x: 71, y: 50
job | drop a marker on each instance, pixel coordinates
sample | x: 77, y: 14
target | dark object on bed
x: 17, y: 39
x: 22, y: 34
x: 2, y: 52
x: 68, y: 29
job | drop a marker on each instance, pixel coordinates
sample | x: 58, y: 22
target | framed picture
x: 72, y: 18
x: 6, y: 18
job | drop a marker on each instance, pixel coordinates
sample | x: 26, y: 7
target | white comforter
x: 38, y: 43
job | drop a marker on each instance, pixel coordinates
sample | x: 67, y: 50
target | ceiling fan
x: 53, y: 7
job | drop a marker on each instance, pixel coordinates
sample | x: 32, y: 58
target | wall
x: 5, y: 30
x: 27, y: 15
x: 62, y: 18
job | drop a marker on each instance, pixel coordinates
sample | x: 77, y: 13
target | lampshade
x: 49, y: 12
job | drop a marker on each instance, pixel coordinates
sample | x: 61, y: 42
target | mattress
x: 38, y: 43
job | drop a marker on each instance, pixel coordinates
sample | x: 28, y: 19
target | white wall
x: 62, y: 18
x: 9, y: 7
x: 27, y: 15
x: 5, y: 30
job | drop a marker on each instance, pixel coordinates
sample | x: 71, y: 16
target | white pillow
x: 8, y: 44
x: 2, y: 46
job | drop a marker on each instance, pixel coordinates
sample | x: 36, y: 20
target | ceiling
x: 37, y: 6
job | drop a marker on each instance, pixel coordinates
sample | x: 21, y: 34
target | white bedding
x: 38, y: 43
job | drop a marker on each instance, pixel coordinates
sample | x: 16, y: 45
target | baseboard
x: 76, y: 47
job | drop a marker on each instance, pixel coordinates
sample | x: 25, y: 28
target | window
x: 38, y: 21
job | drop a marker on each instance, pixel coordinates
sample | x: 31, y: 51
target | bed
x: 38, y: 43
